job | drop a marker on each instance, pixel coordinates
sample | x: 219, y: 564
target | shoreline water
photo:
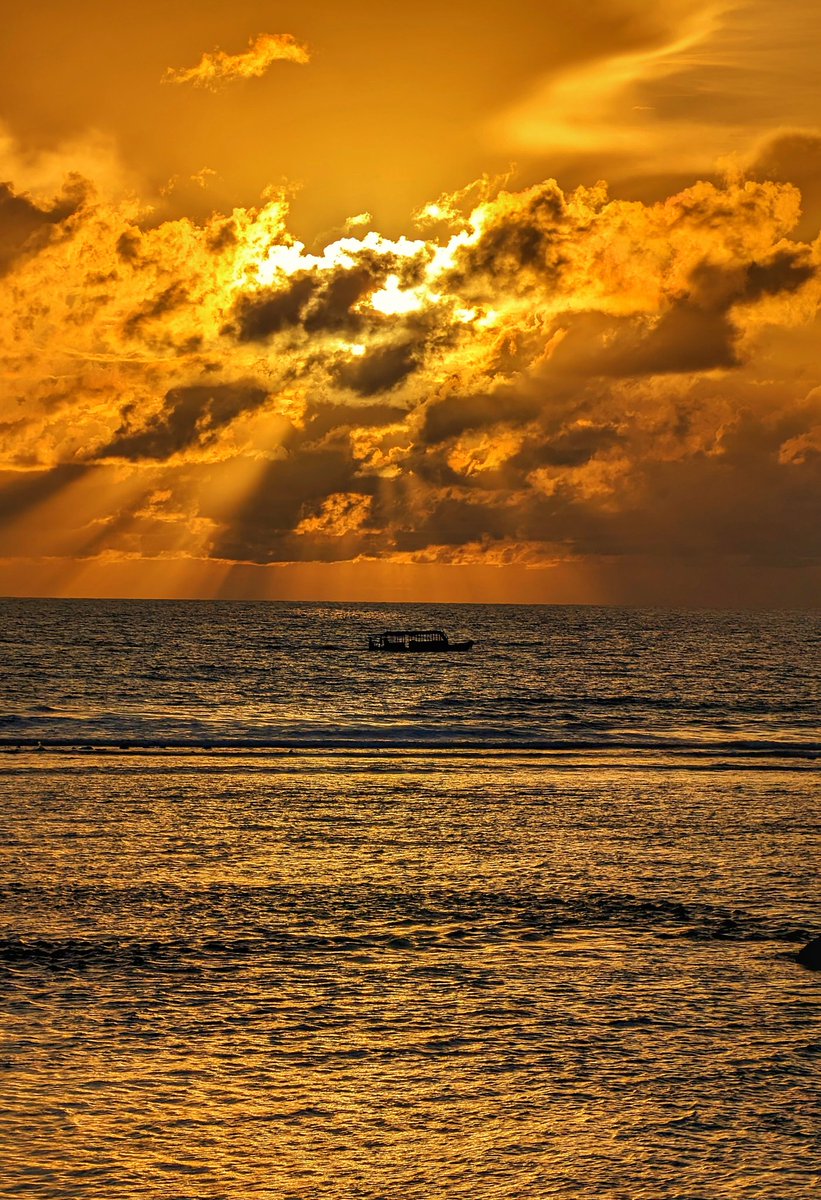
x: 345, y: 975
x: 433, y: 960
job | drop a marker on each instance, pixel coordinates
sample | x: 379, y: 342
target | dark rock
x: 810, y: 955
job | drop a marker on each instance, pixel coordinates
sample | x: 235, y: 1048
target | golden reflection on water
x: 303, y: 976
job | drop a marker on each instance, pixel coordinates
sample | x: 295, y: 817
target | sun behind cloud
x: 551, y: 377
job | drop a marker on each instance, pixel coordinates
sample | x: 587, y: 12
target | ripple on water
x: 507, y: 981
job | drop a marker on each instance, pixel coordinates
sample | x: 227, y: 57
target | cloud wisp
x: 689, y: 82
x: 216, y: 68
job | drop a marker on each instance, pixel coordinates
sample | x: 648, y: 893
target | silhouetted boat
x: 416, y: 641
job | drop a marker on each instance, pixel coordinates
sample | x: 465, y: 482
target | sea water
x: 283, y: 918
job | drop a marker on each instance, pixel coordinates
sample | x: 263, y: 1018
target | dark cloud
x: 222, y: 236
x: 550, y: 439
x: 262, y: 313
x: 21, y: 491
x: 794, y: 157
x: 330, y: 309
x: 457, y: 520
x: 737, y: 501
x: 572, y: 446
x: 189, y: 416
x: 379, y: 370
x: 128, y: 245
x: 321, y: 302
x: 25, y: 227
x: 689, y: 337
x: 174, y: 296
x: 458, y: 414
x: 752, y: 508
x: 786, y: 271
x: 261, y: 530
x: 524, y: 233
x: 321, y: 419
x: 741, y: 504
x: 695, y: 333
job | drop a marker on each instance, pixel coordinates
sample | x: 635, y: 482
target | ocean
x: 283, y: 918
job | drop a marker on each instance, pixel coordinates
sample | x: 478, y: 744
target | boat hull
x: 452, y: 647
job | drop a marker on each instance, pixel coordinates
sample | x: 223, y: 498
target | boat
x: 416, y: 641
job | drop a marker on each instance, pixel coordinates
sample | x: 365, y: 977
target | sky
x: 446, y: 301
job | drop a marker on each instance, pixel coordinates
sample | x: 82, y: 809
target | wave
x: 412, y: 739
x: 510, y: 704
x: 430, y: 923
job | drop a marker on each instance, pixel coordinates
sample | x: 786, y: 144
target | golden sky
x: 439, y: 301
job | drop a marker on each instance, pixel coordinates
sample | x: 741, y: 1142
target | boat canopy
x: 415, y: 639
x: 405, y: 638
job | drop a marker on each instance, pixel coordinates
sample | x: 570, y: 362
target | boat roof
x: 413, y: 633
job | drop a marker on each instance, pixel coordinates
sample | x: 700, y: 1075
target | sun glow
x: 393, y: 300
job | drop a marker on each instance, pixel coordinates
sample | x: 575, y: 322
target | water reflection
x: 337, y: 977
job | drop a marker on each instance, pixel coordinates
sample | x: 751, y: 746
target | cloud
x: 457, y: 414
x: 380, y: 370
x: 316, y: 302
x: 677, y: 88
x: 696, y: 332
x: 22, y: 490
x: 26, y: 226
x: 549, y: 375
x: 339, y: 514
x: 188, y: 416
x: 216, y: 69
x: 790, y: 156
x: 42, y: 174
x: 601, y: 104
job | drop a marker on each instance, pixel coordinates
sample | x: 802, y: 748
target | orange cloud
x: 553, y: 377
x: 216, y: 69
